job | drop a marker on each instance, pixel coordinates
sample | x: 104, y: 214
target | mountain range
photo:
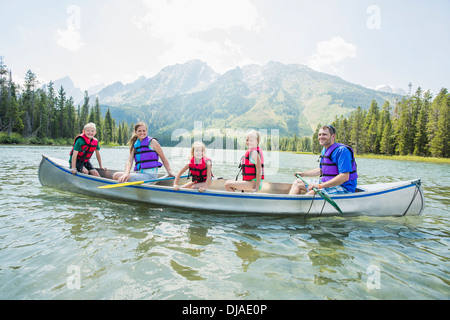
x: 292, y: 98
x: 71, y: 91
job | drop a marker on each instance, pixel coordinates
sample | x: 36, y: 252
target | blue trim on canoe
x: 240, y: 196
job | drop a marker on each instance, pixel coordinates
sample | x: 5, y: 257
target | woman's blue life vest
x: 144, y: 156
x: 87, y: 150
x: 330, y: 169
x: 198, y: 172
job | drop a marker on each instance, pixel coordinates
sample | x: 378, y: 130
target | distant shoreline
x: 366, y: 156
x: 395, y: 157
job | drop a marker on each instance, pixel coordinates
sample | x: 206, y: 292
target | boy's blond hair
x: 90, y: 125
x: 198, y: 144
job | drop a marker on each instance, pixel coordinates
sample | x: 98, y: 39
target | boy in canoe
x: 337, y: 169
x: 83, y: 148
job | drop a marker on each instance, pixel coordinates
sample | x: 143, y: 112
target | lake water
x: 58, y: 245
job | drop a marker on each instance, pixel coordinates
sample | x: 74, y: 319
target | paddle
x: 323, y: 195
x: 134, y: 183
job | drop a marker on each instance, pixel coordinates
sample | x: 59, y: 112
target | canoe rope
x: 310, y: 206
x: 417, y: 184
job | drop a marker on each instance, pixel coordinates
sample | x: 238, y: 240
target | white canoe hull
x: 387, y: 199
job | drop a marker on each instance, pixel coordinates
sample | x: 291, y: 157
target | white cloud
x: 330, y: 53
x: 69, y: 39
x: 184, y: 25
x: 182, y: 18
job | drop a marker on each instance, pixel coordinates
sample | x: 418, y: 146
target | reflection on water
x: 125, y: 251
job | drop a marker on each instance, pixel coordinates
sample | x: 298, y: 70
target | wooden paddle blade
x: 118, y: 185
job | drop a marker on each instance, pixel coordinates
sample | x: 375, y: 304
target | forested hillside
x: 48, y: 116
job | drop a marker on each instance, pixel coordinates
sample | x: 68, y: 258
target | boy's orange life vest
x: 198, y: 171
x: 87, y: 150
x: 248, y: 168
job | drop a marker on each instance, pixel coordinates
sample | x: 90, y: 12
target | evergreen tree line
x: 418, y: 125
x: 46, y: 115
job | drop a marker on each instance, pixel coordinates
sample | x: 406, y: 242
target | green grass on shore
x: 400, y: 158
x: 406, y: 158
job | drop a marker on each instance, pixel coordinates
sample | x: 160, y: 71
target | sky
x: 370, y: 43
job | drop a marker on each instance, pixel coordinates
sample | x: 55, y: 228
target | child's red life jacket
x: 87, y: 149
x: 199, y: 171
x: 248, y: 168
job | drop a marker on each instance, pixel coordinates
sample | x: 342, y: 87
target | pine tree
x: 71, y: 119
x: 357, y: 132
x: 3, y: 94
x: 344, y: 131
x: 403, y: 128
x: 385, y: 131
x: 14, y: 122
x: 120, y: 135
x: 439, y: 124
x: 84, y: 114
x: 316, y: 147
x: 445, y: 122
x: 91, y: 117
x: 98, y: 119
x: 50, y: 107
x: 28, y: 103
x: 108, y: 127
x: 387, y: 145
x: 421, y: 138
x: 61, y: 112
x: 42, y: 115
x: 372, y: 142
x: 296, y: 143
x: 306, y: 144
x: 13, y: 114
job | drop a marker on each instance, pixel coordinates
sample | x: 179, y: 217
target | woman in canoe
x: 146, y: 152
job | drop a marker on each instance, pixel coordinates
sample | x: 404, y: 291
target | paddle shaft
x: 134, y: 183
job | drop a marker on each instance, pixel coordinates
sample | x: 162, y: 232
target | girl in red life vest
x: 200, y: 169
x: 252, y: 166
x: 83, y: 148
x: 146, y: 152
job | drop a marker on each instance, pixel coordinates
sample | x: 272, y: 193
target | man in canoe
x: 337, y: 168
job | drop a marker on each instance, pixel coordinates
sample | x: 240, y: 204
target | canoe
x: 404, y: 198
